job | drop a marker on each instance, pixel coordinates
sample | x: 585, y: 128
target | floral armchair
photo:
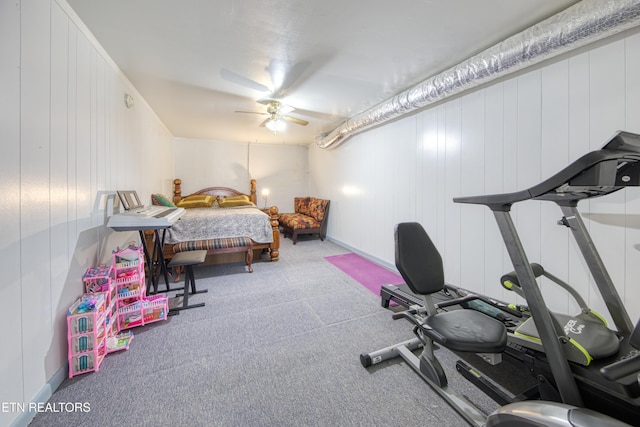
x: 310, y: 217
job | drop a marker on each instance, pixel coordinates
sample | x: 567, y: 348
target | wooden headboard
x: 217, y: 192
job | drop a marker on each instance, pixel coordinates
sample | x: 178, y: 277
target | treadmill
x: 609, y: 385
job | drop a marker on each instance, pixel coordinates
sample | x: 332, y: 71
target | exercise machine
x: 462, y: 330
x: 608, y: 383
x: 588, y: 337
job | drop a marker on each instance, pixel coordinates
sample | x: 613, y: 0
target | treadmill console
x: 604, y: 177
x: 602, y: 171
x: 597, y: 173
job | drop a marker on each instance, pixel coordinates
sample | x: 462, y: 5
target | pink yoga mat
x: 370, y: 275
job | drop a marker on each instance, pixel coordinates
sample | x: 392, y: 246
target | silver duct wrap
x: 576, y: 26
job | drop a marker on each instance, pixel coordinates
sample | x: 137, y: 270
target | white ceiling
x: 187, y: 58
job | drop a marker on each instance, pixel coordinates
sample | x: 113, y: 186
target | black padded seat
x: 420, y: 265
x: 188, y: 260
x: 468, y: 331
x: 184, y: 259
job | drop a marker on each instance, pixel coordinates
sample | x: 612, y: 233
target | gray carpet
x: 278, y: 347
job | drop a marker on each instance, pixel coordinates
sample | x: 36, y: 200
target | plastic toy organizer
x: 115, y: 300
x: 129, y: 276
x: 100, y: 279
x: 143, y: 312
x: 119, y: 341
x: 130, y: 287
x: 128, y: 272
x: 134, y: 308
x: 87, y: 332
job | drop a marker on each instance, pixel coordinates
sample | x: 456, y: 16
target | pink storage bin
x: 86, y: 362
x: 119, y: 341
x: 129, y: 258
x: 86, y: 313
x: 130, y: 316
x: 147, y: 310
x: 98, y: 279
x: 155, y: 308
x: 86, y: 333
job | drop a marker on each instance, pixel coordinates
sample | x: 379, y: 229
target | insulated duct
x: 576, y: 26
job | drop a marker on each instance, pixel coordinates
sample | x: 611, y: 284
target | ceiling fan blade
x: 232, y: 77
x: 252, y: 112
x: 261, y: 125
x: 291, y: 77
x: 285, y: 109
x: 295, y: 120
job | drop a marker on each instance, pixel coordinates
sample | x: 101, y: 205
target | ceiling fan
x: 283, y: 76
x: 278, y: 117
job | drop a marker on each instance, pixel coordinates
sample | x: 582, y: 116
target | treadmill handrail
x: 618, y: 155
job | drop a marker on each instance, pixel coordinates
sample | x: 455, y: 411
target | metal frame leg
x: 599, y: 272
x: 189, y: 282
x: 549, y: 330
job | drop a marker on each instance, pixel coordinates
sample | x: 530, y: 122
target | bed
x: 224, y: 229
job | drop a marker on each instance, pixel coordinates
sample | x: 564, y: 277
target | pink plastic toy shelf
x: 87, y: 326
x: 115, y: 300
x: 134, y: 308
x: 142, y: 312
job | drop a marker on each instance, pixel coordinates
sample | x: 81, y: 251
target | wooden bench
x: 219, y: 246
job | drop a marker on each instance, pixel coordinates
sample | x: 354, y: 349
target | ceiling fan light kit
x: 276, y: 125
x: 277, y: 112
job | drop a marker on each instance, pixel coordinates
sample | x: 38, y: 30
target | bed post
x: 177, y: 190
x: 252, y: 192
x: 274, y: 248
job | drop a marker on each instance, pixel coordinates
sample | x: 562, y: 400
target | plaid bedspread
x: 220, y: 223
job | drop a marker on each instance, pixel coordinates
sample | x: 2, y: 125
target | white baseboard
x: 371, y: 258
x: 42, y: 397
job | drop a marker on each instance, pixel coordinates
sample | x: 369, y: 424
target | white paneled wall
x: 11, y: 365
x: 282, y: 169
x: 200, y: 164
x: 499, y: 138
x: 67, y: 138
